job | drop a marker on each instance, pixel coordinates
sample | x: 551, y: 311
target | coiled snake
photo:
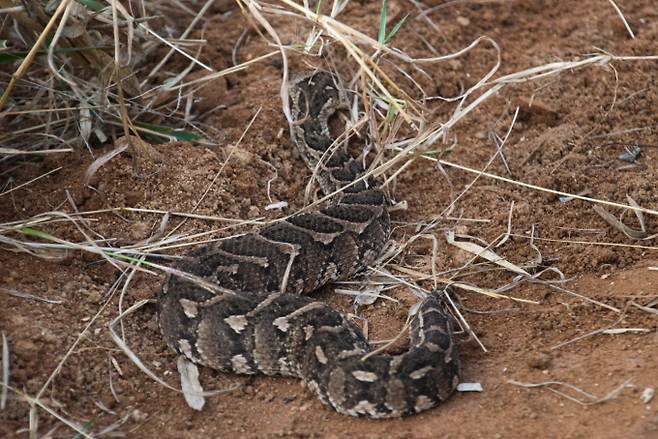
x: 258, y: 318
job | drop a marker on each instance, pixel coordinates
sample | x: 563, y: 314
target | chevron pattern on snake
x: 259, y: 319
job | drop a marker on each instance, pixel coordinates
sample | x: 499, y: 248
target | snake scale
x: 258, y: 319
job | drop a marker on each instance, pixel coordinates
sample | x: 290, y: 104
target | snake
x: 242, y: 305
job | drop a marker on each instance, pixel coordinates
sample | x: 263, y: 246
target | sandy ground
x: 569, y: 133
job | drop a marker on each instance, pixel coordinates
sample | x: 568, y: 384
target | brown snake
x: 259, y: 319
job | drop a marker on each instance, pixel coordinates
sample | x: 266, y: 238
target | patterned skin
x: 246, y: 310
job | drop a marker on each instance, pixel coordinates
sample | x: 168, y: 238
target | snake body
x: 256, y: 317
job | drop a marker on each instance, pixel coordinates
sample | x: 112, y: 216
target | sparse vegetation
x: 83, y: 83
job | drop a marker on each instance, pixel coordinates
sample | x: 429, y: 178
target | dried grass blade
x: 189, y: 379
x: 18, y: 74
x: 590, y: 399
x: 31, y: 181
x: 638, y: 212
x: 100, y: 161
x: 623, y: 19
x: 616, y: 331
x: 617, y: 224
x: 5, y: 372
x: 22, y: 295
x: 645, y: 308
x: 13, y: 151
x: 485, y: 253
x: 462, y: 285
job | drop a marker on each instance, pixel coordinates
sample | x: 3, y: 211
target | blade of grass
x: 395, y: 29
x: 381, y: 36
x: 30, y: 182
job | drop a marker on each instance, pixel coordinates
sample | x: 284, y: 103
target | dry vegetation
x: 79, y: 75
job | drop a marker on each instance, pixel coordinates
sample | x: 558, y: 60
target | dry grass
x: 96, y: 82
x: 91, y: 67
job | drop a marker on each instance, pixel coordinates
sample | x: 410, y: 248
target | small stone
x: 188, y: 187
x: 253, y: 212
x: 647, y: 395
x: 289, y: 399
x: 93, y: 296
x: 242, y: 156
x: 546, y: 325
x: 463, y: 21
x: 140, y: 230
x: 539, y: 360
x: 138, y: 415
x: 70, y: 287
x: 49, y: 336
x: 33, y: 384
x: 152, y: 325
x: 25, y: 348
x: 277, y: 63
x: 455, y: 64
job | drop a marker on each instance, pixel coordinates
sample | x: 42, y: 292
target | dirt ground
x: 570, y: 130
